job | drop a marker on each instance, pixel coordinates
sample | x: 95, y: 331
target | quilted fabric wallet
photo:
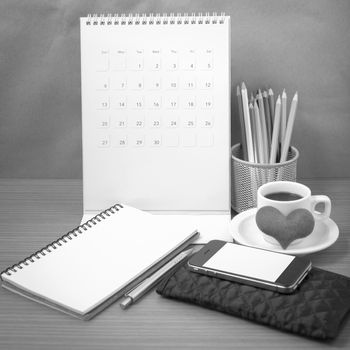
x: 316, y: 309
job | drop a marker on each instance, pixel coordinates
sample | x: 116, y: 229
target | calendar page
x: 156, y: 112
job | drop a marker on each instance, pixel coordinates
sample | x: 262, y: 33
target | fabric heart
x: 298, y: 224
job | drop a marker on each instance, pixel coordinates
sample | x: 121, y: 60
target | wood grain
x: 34, y: 212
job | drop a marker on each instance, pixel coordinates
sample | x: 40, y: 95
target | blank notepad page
x: 94, y: 265
x: 156, y: 112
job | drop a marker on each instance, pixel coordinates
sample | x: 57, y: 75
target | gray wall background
x: 297, y: 45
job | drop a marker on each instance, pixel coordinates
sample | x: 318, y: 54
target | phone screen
x: 251, y: 262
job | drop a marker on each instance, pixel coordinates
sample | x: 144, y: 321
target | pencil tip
x: 243, y: 86
x: 265, y: 93
x: 284, y: 93
x: 238, y: 90
x: 270, y: 91
x: 295, y: 96
x: 278, y: 99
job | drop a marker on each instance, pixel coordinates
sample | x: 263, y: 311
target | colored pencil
x: 276, y: 131
x: 283, y: 116
x: 263, y: 127
x: 259, y: 136
x: 248, y: 131
x: 289, y: 129
x: 254, y: 136
x: 272, y: 106
x: 241, y: 120
x: 268, y: 119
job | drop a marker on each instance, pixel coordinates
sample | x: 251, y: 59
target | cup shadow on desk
x: 334, y: 254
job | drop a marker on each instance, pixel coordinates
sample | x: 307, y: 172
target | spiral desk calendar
x: 156, y: 113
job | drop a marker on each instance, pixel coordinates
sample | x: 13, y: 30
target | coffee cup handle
x: 327, y: 206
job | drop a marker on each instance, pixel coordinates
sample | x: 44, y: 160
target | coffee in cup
x: 283, y: 196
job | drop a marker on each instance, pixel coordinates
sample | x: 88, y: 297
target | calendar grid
x: 139, y: 90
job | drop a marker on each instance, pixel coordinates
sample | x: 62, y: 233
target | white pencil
x: 283, y: 123
x: 289, y: 129
x: 271, y: 105
x: 276, y: 131
x: 248, y: 128
x: 263, y: 127
x: 259, y: 136
x: 268, y: 119
x: 241, y: 120
x: 254, y: 137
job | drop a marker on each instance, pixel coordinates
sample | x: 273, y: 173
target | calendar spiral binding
x: 62, y: 240
x: 156, y: 19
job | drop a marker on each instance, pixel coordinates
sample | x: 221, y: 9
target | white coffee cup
x: 306, y: 201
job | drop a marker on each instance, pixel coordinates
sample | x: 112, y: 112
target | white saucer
x: 245, y: 231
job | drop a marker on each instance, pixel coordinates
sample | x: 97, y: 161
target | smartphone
x: 256, y: 267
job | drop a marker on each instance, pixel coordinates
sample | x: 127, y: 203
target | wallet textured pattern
x: 316, y: 309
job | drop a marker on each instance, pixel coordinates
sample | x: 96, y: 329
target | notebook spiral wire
x: 154, y: 19
x: 63, y: 239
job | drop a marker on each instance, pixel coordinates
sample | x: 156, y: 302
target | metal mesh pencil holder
x: 247, y: 177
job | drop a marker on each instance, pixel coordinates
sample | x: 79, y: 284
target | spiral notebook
x: 156, y: 115
x: 90, y: 267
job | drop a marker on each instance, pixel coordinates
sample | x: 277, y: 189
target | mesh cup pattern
x: 248, y: 177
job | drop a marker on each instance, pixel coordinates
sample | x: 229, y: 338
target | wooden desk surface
x: 34, y: 212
